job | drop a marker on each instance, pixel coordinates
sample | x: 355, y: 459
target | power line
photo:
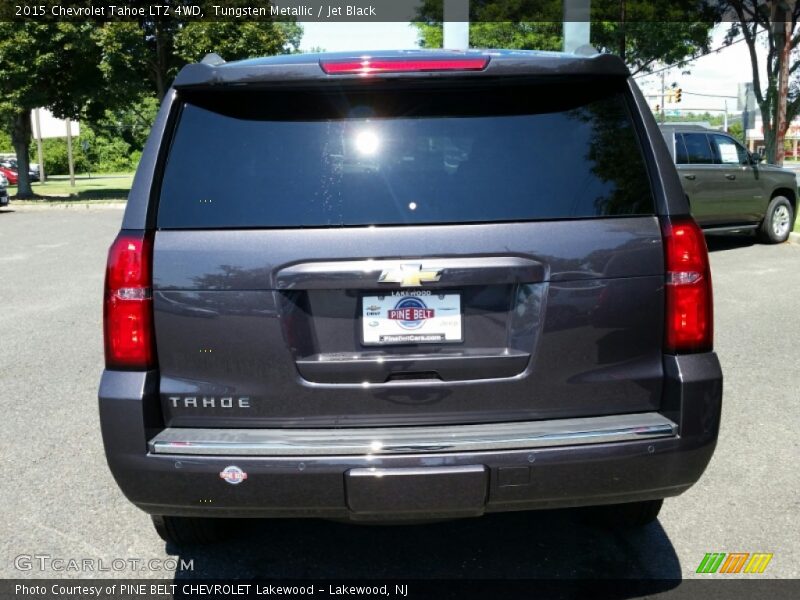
x: 709, y: 95
x: 683, y: 62
x: 656, y: 94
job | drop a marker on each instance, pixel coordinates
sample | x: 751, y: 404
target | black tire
x: 624, y: 516
x: 186, y: 531
x: 778, y: 221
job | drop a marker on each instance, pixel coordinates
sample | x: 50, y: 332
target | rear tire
x: 185, y: 531
x: 624, y: 516
x: 777, y: 223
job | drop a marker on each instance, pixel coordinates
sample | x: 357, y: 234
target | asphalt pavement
x: 58, y: 498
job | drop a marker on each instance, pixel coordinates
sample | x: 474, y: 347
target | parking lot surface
x: 59, y: 499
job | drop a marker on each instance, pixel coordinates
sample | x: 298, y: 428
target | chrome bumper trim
x: 412, y: 440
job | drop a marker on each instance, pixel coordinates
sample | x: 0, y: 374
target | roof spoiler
x: 213, y: 70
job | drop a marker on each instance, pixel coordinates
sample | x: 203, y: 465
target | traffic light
x: 658, y: 108
x: 678, y: 94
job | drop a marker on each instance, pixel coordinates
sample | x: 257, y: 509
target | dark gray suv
x: 418, y: 285
x: 727, y: 187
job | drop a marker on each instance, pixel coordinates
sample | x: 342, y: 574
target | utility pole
x: 576, y: 24
x: 39, y: 152
x: 725, y: 124
x: 663, y: 116
x: 69, y: 154
x: 456, y: 25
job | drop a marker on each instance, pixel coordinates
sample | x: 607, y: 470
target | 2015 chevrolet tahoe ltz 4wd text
x: 429, y: 285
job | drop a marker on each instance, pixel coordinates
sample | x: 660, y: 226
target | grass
x: 103, y: 187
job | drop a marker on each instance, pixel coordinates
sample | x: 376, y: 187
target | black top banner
x: 389, y: 10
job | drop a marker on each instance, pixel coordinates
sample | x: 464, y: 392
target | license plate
x: 411, y: 317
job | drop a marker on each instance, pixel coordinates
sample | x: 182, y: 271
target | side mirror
x: 757, y: 157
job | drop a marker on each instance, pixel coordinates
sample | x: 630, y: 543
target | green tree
x: 715, y: 120
x: 143, y: 57
x: 55, y: 149
x: 51, y: 65
x: 496, y: 24
x: 130, y: 122
x: 641, y: 33
x: 773, y: 25
x: 643, y: 44
x: 646, y: 32
x: 736, y: 130
x: 140, y: 60
x: 5, y: 142
x: 237, y: 40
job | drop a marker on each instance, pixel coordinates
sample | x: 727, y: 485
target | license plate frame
x: 398, y: 335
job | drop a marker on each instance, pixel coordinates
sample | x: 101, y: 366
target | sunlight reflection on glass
x: 367, y: 142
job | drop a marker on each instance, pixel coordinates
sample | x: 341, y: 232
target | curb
x: 34, y: 206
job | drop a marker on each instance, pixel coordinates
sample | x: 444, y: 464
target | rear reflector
x: 367, y: 66
x: 128, y: 307
x: 689, y: 311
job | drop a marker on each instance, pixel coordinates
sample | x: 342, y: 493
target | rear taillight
x: 367, y: 65
x: 128, y: 309
x: 689, y: 312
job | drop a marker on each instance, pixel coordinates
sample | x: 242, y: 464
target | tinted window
x: 698, y: 149
x: 681, y: 156
x: 249, y: 159
x: 728, y: 151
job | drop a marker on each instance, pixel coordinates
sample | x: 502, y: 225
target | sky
x: 335, y: 37
x: 717, y: 73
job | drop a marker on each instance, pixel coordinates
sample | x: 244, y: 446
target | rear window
x: 371, y: 156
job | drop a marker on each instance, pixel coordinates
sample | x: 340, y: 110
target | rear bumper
x: 527, y: 466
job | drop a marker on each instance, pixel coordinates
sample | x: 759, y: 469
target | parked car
x: 414, y: 270
x: 729, y: 188
x: 3, y: 190
x: 9, y: 174
x: 11, y: 163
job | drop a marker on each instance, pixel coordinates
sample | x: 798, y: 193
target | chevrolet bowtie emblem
x: 409, y: 275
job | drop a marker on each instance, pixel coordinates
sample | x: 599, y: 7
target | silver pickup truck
x: 728, y: 187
